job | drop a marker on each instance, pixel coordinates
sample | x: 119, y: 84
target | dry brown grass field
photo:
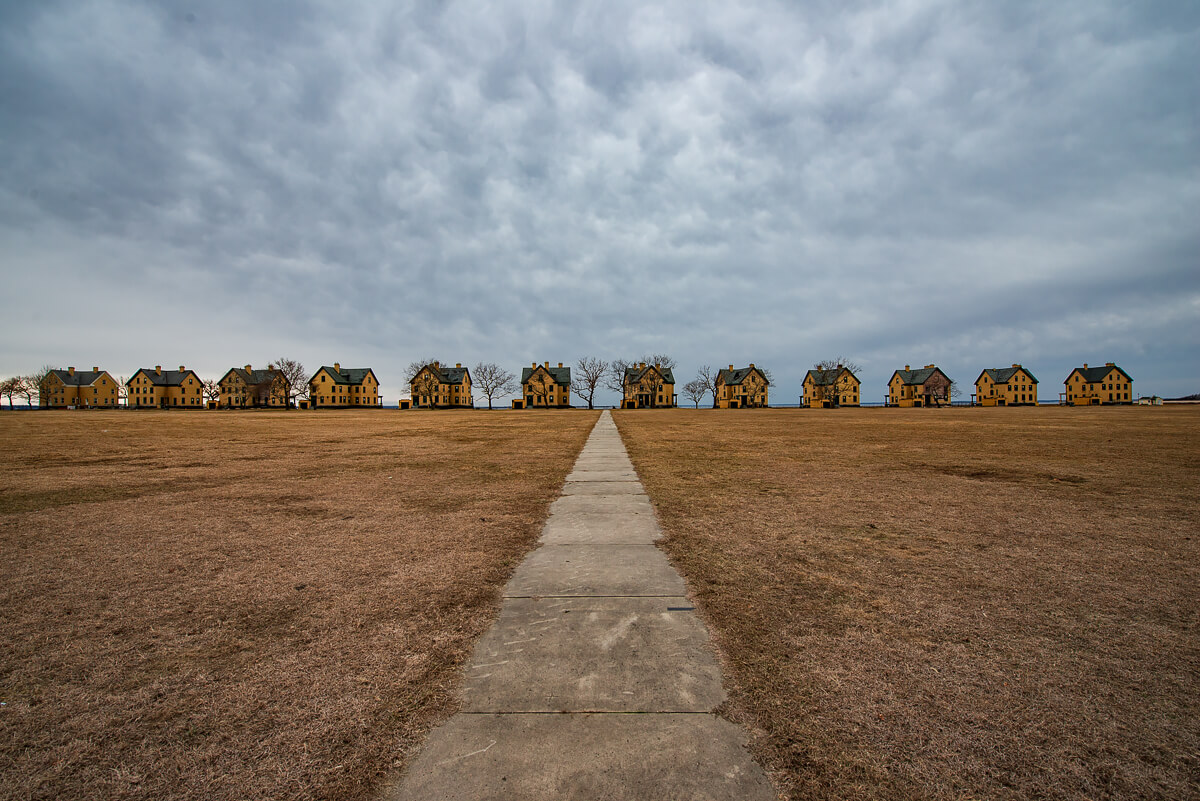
x: 946, y: 604
x: 251, y: 605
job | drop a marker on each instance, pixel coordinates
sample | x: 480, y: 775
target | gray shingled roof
x: 80, y: 379
x: 634, y: 374
x: 561, y: 375
x: 918, y: 376
x: 826, y: 378
x: 347, y: 375
x: 735, y: 377
x: 253, y: 377
x: 1002, y: 375
x: 1094, y: 375
x: 167, y: 378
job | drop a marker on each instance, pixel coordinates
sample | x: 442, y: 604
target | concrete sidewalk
x: 597, y: 681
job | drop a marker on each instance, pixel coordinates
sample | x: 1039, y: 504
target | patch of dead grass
x: 256, y: 605
x: 961, y: 603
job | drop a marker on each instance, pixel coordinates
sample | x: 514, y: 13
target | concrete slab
x: 603, y: 504
x: 594, y: 655
x: 582, y: 528
x: 603, y: 488
x: 602, y: 475
x: 597, y: 463
x: 585, y: 758
x: 581, y: 570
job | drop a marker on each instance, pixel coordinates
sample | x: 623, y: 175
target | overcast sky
x: 970, y: 184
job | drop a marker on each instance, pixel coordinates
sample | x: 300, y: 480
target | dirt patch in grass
x: 261, y: 605
x: 958, y: 603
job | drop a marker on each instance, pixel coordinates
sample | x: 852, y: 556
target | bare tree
x: 27, y: 389
x: 937, y: 388
x: 296, y: 376
x: 494, y: 381
x: 589, y: 372
x: 614, y: 379
x: 695, y: 390
x: 39, y: 379
x: 413, y: 368
x: 211, y: 390
x: 10, y: 387
x: 539, y: 386
x: 709, y: 377
x: 663, y: 360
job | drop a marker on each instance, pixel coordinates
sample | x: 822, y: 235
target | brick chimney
x: 546, y: 365
x: 158, y: 369
x: 247, y: 368
x: 337, y: 366
x: 1016, y: 366
x: 95, y: 369
x: 929, y: 366
x: 70, y: 371
x: 533, y: 365
x: 731, y: 368
x: 437, y: 366
x: 458, y: 364
x: 641, y: 365
x: 751, y: 365
x: 182, y: 369
x: 560, y: 364
x: 1085, y: 365
x: 1109, y: 364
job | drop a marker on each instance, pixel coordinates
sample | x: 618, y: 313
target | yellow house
x: 743, y: 388
x: 87, y: 390
x: 831, y: 388
x: 244, y: 387
x: 333, y: 387
x: 1006, y: 386
x: 648, y: 386
x: 438, y: 387
x: 928, y: 386
x: 546, y: 386
x: 1093, y: 386
x: 165, y: 389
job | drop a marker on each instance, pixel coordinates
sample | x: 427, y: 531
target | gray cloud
x: 972, y: 184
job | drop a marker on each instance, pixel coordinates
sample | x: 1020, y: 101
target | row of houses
x: 542, y: 386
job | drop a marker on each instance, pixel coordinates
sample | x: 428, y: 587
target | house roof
x: 445, y: 375
x: 918, y: 377
x: 167, y: 378
x: 825, y: 378
x: 347, y: 375
x: 1094, y: 375
x: 80, y: 379
x: 1002, y: 375
x: 634, y: 374
x: 737, y: 376
x: 561, y: 375
x: 253, y: 377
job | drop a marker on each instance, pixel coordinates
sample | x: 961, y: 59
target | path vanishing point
x: 598, y: 680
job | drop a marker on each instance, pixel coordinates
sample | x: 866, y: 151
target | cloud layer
x: 972, y: 184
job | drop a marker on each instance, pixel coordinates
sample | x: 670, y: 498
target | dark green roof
x: 561, y: 375
x: 634, y: 374
x: 253, y: 378
x: 918, y: 377
x: 446, y: 375
x: 1002, y: 375
x: 732, y: 378
x: 347, y: 375
x: 1094, y: 375
x: 80, y: 379
x: 167, y: 378
x: 826, y: 378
